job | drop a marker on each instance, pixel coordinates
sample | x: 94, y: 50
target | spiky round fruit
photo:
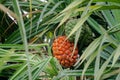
x: 68, y: 28
x: 64, y: 51
x: 84, y: 31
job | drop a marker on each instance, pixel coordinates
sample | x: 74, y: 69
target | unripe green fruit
x: 68, y: 28
x: 85, y: 31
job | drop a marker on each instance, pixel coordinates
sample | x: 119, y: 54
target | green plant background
x: 28, y: 28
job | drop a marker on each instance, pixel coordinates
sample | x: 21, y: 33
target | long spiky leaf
x: 23, y: 34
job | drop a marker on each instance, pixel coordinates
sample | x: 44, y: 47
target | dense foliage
x: 28, y: 28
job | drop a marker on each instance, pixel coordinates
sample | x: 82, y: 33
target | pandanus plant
x: 59, y: 39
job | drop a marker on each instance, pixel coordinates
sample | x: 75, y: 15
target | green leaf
x: 111, y: 73
x: 38, y: 69
x: 103, y: 67
x: 72, y: 5
x: 23, y: 33
x: 118, y: 77
x: 117, y: 1
x: 95, y: 25
x: 91, y: 58
x: 89, y: 50
x: 116, y: 55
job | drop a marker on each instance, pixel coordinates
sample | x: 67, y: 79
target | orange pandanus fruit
x: 63, y: 51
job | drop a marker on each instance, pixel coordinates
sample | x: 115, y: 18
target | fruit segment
x: 64, y: 51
